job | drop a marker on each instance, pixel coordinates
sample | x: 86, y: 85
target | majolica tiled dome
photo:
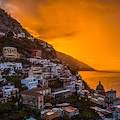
x: 100, y: 86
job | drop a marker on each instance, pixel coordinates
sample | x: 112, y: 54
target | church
x: 100, y: 89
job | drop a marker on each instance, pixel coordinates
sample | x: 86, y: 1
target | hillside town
x: 49, y: 85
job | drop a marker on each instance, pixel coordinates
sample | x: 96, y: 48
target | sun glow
x: 86, y: 30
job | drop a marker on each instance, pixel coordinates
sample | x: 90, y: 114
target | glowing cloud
x: 85, y: 29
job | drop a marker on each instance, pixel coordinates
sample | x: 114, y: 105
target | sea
x: 110, y: 80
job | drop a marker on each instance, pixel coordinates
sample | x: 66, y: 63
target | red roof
x: 41, y: 88
x: 34, y: 91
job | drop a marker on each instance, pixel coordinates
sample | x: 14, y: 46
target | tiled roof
x: 41, y: 88
x: 34, y: 91
x: 112, y: 91
x: 70, y: 109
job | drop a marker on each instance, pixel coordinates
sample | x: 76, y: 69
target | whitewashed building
x: 21, y: 35
x: 116, y: 112
x: 111, y: 99
x: 10, y: 91
x: 60, y: 94
x: 30, y: 82
x: 79, y: 86
x: 10, y: 65
x: 2, y: 34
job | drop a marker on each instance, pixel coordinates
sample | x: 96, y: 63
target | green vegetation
x: 6, y: 72
x: 86, y: 86
x: 56, y: 84
x: 24, y: 45
x: 16, y: 81
x: 83, y: 104
x: 23, y: 61
x: 65, y: 117
x: 9, y: 111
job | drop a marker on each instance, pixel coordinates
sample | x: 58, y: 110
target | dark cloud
x: 58, y: 17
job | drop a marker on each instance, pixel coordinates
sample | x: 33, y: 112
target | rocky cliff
x: 8, y: 24
x: 74, y: 63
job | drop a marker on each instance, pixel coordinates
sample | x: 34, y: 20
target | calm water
x: 108, y: 79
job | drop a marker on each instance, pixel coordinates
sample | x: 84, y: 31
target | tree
x: 47, y: 98
x: 16, y: 81
x: 10, y: 34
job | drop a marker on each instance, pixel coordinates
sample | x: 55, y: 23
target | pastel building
x: 69, y: 85
x: 30, y: 82
x: 3, y: 98
x: 49, y: 114
x: 116, y: 112
x: 110, y: 98
x: 34, y: 60
x: 10, y: 91
x: 71, y: 111
x: 21, y: 35
x: 32, y: 98
x: 2, y: 34
x: 31, y: 38
x: 43, y: 90
x: 79, y: 86
x: 60, y: 94
x: 36, y: 53
x: 10, y: 52
x: 48, y: 74
x: 35, y: 97
x: 37, y: 72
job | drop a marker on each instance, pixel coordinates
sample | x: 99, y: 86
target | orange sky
x: 85, y: 29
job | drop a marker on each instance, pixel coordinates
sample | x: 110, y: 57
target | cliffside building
x: 49, y: 114
x: 32, y: 99
x: 71, y: 111
x: 10, y: 52
x: 63, y: 93
x: 110, y: 98
x: 36, y: 53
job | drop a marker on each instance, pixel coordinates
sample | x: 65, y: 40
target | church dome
x: 100, y: 86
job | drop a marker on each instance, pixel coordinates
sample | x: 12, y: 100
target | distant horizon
x: 93, y: 67
x: 112, y: 71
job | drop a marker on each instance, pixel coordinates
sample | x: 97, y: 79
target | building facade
x: 110, y: 98
x: 10, y: 91
x: 71, y: 111
x: 36, y: 53
x: 63, y: 93
x: 43, y: 90
x: 30, y: 82
x: 49, y: 114
x: 32, y: 99
x: 11, y: 52
x: 11, y: 66
x: 116, y: 112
